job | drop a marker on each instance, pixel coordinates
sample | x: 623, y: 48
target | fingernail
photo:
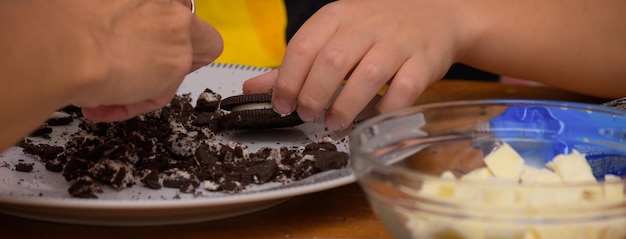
x: 306, y: 117
x: 333, y: 124
x: 282, y: 107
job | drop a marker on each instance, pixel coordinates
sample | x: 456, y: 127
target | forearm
x: 34, y: 67
x: 578, y: 45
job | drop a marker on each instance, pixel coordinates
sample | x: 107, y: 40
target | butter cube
x: 505, y: 163
x: 529, y: 235
x: 504, y: 231
x: 612, y: 190
x: 500, y: 196
x: 464, y: 229
x: 573, y: 168
x: 439, y: 189
x: 469, y: 194
x: 477, y: 175
x: 557, y: 231
x: 531, y: 175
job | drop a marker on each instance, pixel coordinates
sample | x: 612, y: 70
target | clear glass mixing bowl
x: 412, y: 164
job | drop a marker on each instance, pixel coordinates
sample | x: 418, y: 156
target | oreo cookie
x: 254, y: 111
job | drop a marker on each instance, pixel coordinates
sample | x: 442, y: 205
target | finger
x: 188, y: 4
x: 206, y: 42
x: 406, y: 86
x: 373, y: 71
x: 260, y: 84
x: 299, y: 56
x: 111, y: 113
x: 333, y: 63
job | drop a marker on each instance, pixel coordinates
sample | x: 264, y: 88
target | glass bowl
x: 495, y: 169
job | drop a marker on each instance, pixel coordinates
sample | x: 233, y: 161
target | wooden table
x: 336, y: 213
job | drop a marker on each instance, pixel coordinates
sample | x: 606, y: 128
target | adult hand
x: 144, y: 49
x: 406, y: 44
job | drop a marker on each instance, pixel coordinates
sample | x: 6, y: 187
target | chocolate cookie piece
x: 43, y: 131
x: 208, y: 101
x: 73, y: 110
x: 254, y: 111
x: 208, y: 119
x: 85, y: 187
x: 24, y: 167
x: 43, y: 151
x: 60, y: 118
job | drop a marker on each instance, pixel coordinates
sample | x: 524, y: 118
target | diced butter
x: 500, y: 196
x: 439, y: 189
x: 593, y: 193
x: 477, y: 175
x: 504, y: 231
x: 573, y: 168
x: 469, y: 193
x: 505, y: 163
x: 613, y: 190
x: 529, y: 235
x: 531, y: 175
x: 448, y: 175
x: 522, y: 186
x: 466, y: 229
x: 553, y: 231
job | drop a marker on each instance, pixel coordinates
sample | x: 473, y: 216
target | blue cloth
x: 542, y: 132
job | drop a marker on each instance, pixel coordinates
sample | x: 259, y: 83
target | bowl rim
x: 373, y: 163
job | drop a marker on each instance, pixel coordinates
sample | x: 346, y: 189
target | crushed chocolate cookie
x: 42, y: 131
x: 24, y: 167
x: 60, y: 118
x: 175, y: 147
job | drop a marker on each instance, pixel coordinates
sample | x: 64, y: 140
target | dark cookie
x: 208, y: 119
x: 43, y: 151
x: 60, y: 118
x: 55, y: 165
x: 24, y: 167
x: 117, y: 174
x: 230, y: 103
x: 258, y: 119
x: 208, y: 101
x: 185, y: 181
x: 73, y: 110
x: 151, y: 179
x: 85, y: 187
x: 254, y: 118
x: 42, y: 131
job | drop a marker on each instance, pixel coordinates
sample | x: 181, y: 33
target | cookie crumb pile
x: 174, y: 147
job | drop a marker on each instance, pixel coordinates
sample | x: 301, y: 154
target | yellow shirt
x: 253, y: 30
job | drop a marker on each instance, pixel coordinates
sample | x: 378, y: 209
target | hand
x: 407, y: 44
x: 145, y: 49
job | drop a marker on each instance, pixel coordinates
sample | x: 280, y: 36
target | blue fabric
x: 544, y: 132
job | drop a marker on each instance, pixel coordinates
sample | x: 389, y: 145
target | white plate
x: 43, y: 195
